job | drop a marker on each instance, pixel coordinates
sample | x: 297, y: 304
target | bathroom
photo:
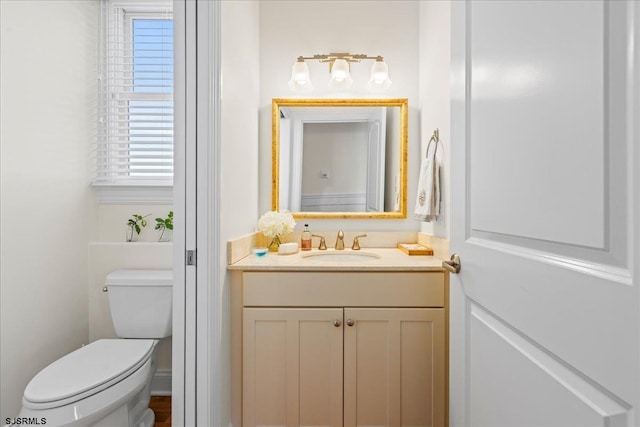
x: 55, y: 258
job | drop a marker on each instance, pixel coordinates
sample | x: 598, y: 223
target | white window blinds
x: 135, y: 129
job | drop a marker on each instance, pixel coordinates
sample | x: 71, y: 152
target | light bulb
x: 340, y: 70
x: 340, y: 75
x: 379, y: 76
x: 300, y: 79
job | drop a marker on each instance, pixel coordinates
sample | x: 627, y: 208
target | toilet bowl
x: 108, y: 382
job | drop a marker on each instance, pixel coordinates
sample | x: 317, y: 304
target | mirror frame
x: 403, y: 103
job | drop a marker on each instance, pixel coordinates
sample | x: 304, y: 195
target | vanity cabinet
x: 343, y: 349
x: 394, y: 367
x: 292, y: 367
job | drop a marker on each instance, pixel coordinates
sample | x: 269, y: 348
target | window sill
x: 134, y: 194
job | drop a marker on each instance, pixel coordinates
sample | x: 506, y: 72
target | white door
x: 376, y: 145
x: 545, y: 324
x: 183, y: 385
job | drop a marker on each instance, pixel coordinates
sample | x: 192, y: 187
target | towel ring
x: 434, y: 138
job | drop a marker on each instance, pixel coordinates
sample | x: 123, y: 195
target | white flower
x: 273, y: 224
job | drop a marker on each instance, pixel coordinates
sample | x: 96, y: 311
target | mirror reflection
x: 340, y: 158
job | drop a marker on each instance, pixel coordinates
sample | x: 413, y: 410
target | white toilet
x: 108, y: 382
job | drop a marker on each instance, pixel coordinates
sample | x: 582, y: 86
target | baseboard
x: 356, y: 202
x: 161, y: 383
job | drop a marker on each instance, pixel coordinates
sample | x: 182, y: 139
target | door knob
x: 350, y: 322
x: 336, y: 323
x: 454, y: 265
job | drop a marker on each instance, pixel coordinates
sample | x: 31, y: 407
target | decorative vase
x: 164, y: 235
x: 275, y: 244
x: 131, y: 234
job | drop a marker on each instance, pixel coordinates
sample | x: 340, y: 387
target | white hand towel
x: 428, y: 199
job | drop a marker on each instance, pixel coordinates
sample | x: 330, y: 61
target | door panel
x: 503, y: 360
x: 552, y: 106
x: 292, y: 367
x: 417, y: 372
x: 544, y: 326
x: 545, y: 112
x: 320, y: 372
x: 270, y: 372
x: 371, y: 370
x: 394, y: 367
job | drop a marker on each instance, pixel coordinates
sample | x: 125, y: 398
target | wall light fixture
x: 340, y: 73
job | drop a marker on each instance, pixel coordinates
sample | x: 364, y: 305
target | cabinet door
x: 394, y: 367
x: 292, y: 367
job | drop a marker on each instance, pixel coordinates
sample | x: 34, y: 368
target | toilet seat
x: 90, y: 410
x: 86, y: 371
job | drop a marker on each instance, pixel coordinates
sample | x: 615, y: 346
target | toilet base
x: 121, y: 415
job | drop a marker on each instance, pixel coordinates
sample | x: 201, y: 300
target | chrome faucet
x: 340, y: 241
x: 356, y: 242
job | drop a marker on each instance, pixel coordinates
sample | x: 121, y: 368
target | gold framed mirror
x: 340, y: 158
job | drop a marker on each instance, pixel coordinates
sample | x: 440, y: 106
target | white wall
x: 289, y: 29
x: 48, y: 86
x: 333, y: 148
x: 435, y: 66
x: 108, y: 251
x: 239, y: 158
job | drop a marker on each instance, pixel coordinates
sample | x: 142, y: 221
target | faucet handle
x: 356, y: 242
x: 340, y: 241
x: 323, y: 243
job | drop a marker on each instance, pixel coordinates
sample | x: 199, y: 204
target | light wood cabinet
x: 292, y: 367
x: 394, y: 367
x: 338, y: 365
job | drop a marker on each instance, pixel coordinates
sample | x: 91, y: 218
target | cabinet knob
x: 350, y: 322
x: 336, y: 323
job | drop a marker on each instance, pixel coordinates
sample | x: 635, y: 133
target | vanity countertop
x: 391, y: 259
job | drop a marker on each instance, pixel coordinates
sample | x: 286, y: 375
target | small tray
x: 415, y: 249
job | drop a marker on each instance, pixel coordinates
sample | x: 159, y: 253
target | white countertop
x: 391, y: 259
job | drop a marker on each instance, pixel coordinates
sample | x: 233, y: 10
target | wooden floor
x: 161, y: 406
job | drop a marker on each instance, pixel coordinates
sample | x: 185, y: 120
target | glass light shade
x: 300, y: 79
x: 379, y: 76
x: 340, y: 75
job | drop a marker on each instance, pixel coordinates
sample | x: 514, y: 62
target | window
x: 135, y: 137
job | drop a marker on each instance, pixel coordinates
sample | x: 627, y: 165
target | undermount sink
x: 341, y: 256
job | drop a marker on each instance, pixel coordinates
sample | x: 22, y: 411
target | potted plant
x: 164, y: 224
x: 135, y: 224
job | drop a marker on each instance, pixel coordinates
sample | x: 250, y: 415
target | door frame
x: 182, y: 407
x: 196, y: 331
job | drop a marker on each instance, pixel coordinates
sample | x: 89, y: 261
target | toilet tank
x: 140, y: 302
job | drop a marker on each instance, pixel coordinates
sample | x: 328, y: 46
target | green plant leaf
x: 137, y: 229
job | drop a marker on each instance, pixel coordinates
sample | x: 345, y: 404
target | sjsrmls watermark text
x: 25, y: 421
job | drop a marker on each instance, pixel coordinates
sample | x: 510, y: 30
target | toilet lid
x: 87, y: 368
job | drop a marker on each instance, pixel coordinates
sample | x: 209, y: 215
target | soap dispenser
x: 305, y: 240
